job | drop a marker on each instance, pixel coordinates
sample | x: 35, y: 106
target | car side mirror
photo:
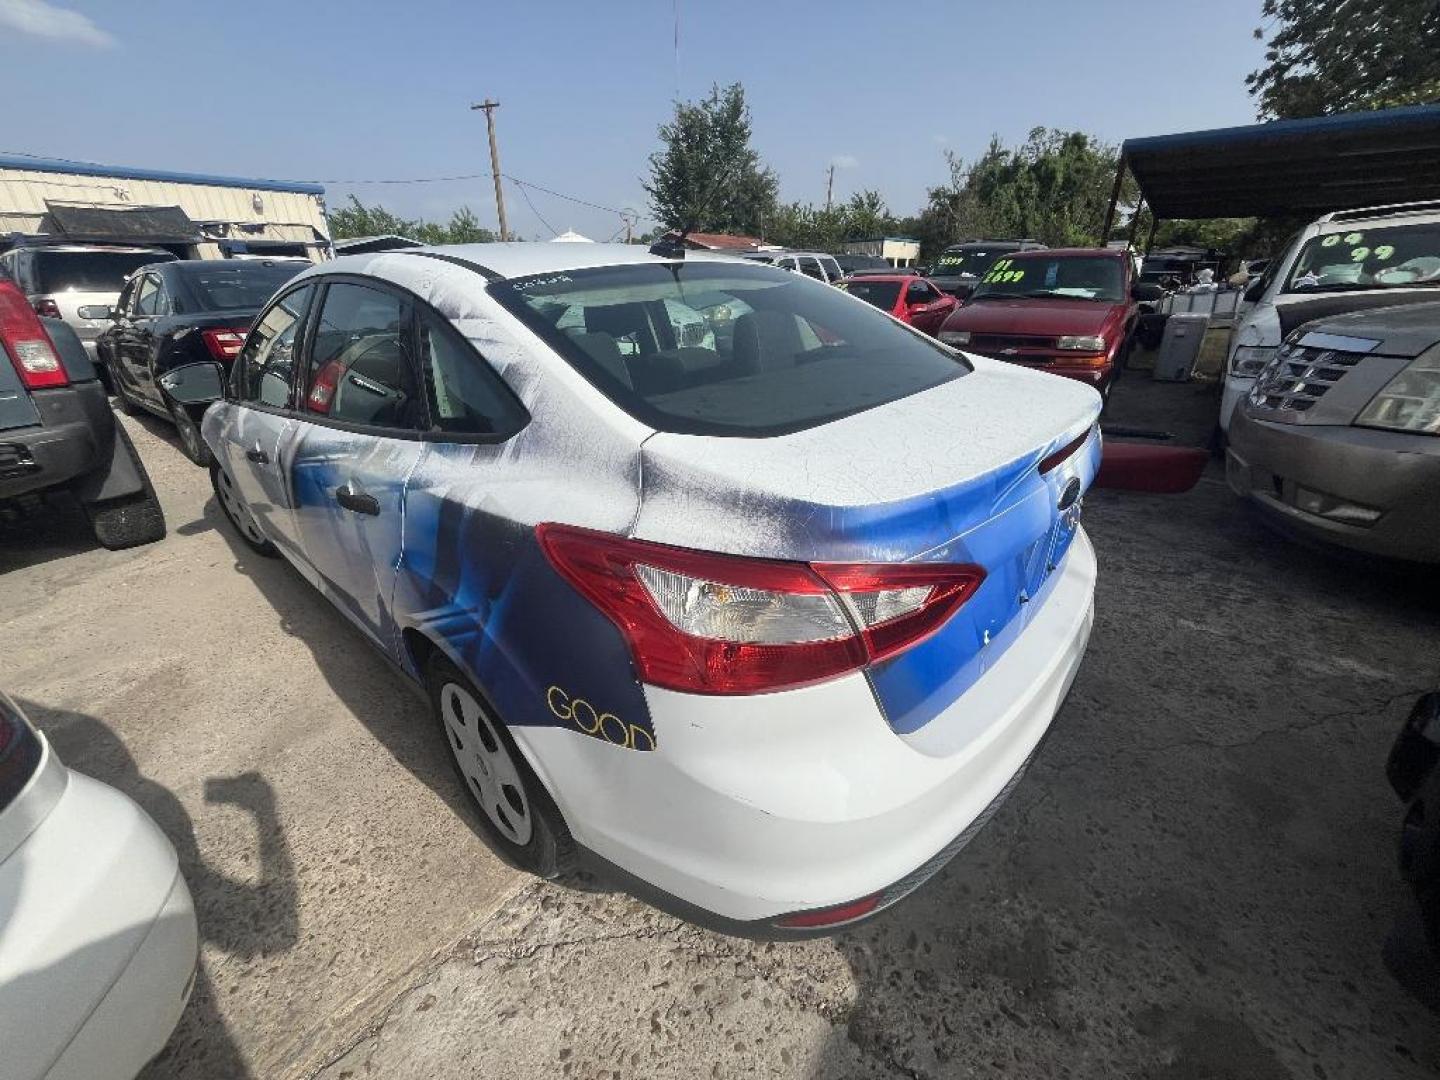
x: 1254, y: 291
x: 1146, y: 293
x: 195, y: 384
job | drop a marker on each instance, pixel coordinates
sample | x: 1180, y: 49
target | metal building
x: 194, y: 215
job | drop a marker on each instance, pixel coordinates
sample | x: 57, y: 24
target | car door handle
x: 353, y: 497
x: 258, y: 456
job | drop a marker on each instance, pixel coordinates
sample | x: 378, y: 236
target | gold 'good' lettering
x: 593, y: 722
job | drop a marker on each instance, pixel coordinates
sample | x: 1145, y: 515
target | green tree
x: 357, y: 219
x: 1055, y: 187
x: 706, y: 174
x: 1344, y: 55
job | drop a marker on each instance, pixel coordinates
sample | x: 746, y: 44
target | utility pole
x: 829, y: 186
x: 489, y: 108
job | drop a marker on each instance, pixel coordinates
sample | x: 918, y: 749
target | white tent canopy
x: 570, y: 236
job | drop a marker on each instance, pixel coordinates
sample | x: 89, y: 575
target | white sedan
x: 97, y: 930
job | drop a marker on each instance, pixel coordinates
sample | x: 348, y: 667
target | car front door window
x: 267, y: 363
x: 148, y: 298
x: 361, y: 367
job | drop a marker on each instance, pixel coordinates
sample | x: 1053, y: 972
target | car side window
x: 149, y: 297
x: 267, y: 362
x: 124, y: 305
x: 361, y: 367
x: 466, y: 397
x: 810, y: 267
x: 918, y: 293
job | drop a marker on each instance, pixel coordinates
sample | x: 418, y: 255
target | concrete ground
x: 1194, y: 881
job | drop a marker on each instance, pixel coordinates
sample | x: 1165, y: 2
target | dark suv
x: 57, y: 431
x: 961, y: 266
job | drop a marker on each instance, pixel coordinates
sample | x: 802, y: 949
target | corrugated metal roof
x: 126, y: 172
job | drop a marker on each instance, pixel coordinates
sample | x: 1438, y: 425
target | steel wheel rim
x: 238, y: 511
x: 485, y: 763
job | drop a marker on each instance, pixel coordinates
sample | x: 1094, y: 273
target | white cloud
x: 44, y: 20
x: 845, y: 161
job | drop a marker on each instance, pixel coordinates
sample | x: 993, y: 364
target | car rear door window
x: 266, y: 365
x: 810, y: 267
x: 362, y: 370
x: 149, y: 298
x: 466, y: 397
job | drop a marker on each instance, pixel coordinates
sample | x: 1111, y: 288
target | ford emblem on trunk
x: 1069, y: 496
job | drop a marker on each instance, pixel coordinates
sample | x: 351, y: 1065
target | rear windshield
x: 1395, y: 257
x: 1034, y: 277
x: 87, y: 271
x: 223, y: 286
x: 882, y: 294
x: 725, y: 348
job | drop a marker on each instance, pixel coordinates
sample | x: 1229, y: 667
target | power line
x: 526, y: 196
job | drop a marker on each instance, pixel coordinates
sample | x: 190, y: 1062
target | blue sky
x: 360, y: 90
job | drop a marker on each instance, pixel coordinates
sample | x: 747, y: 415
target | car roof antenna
x: 668, y: 247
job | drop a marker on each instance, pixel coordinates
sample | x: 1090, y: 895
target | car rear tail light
x: 723, y: 624
x: 1059, y: 457
x: 23, y: 336
x: 322, y: 387
x: 832, y: 916
x: 20, y: 752
x: 224, y: 344
x: 46, y: 307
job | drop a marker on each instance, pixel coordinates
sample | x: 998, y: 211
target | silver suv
x: 78, y: 283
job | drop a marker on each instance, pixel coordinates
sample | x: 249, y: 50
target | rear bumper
x: 753, y: 808
x: 1302, y: 476
x: 75, y: 436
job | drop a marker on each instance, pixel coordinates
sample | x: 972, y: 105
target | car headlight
x: 955, y: 337
x: 1250, y: 360
x: 1410, y: 401
x: 1082, y: 343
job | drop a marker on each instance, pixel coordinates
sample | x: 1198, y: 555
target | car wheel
x: 516, y: 813
x: 190, y: 439
x: 233, y: 504
x: 127, y: 522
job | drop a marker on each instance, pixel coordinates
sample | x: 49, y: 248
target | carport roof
x: 1305, y: 167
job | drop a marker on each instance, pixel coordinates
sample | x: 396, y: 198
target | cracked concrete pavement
x: 1195, y: 879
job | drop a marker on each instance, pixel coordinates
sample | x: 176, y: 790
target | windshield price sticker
x: 1385, y: 251
x: 1002, y: 271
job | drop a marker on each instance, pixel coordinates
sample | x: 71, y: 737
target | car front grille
x: 1298, y: 377
x: 998, y: 343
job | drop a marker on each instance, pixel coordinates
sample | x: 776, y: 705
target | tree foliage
x: 1054, y: 188
x: 357, y: 219
x: 706, y: 174
x: 1342, y: 55
x: 804, y: 225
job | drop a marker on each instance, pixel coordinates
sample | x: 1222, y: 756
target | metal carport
x: 1286, y: 167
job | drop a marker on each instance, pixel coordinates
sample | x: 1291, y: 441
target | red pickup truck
x: 1070, y: 311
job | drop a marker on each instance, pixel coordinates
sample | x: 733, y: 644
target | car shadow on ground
x: 43, y: 530
x: 241, y: 919
x: 1197, y: 878
x: 379, y: 696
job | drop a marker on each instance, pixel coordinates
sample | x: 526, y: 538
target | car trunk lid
x: 949, y: 475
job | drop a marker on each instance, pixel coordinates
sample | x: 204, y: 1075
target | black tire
x: 547, y: 850
x: 127, y: 522
x: 236, y: 513
x: 123, y: 401
x: 191, y: 441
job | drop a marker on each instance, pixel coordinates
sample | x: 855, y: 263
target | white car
x: 763, y: 613
x: 98, y: 940
x: 1345, y: 261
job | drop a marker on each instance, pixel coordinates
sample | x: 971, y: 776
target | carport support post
x: 1114, y: 199
x: 1154, y: 223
